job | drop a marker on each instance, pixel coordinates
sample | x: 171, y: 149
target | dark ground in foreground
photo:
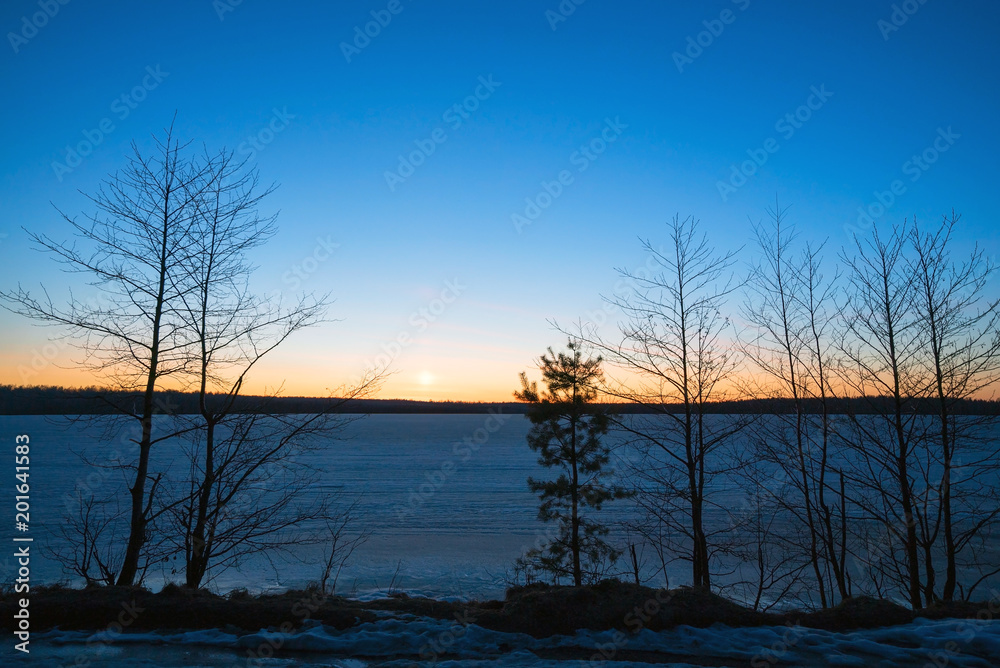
x: 538, y: 610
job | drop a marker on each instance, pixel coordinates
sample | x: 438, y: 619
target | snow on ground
x: 405, y: 640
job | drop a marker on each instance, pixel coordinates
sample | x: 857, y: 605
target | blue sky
x: 329, y: 126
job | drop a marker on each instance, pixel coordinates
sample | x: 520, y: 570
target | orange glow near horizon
x: 425, y: 377
x: 489, y: 381
x: 425, y: 383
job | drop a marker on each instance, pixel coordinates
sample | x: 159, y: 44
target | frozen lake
x: 451, y: 518
x: 451, y: 514
x: 444, y: 497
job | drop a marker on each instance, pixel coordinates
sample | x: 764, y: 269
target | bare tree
x: 341, y: 541
x: 168, y: 252
x: 130, y: 249
x: 881, y: 357
x: 767, y: 571
x: 960, y: 343
x: 785, y: 308
x: 673, y: 341
x: 264, y: 494
x: 88, y: 545
x: 235, y: 504
x: 821, y: 310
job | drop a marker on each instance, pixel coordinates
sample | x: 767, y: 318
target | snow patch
x: 402, y: 640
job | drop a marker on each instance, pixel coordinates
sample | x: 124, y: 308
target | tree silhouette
x: 567, y: 433
x: 131, y: 249
x: 958, y: 325
x: 168, y: 252
x: 787, y: 309
x: 673, y: 345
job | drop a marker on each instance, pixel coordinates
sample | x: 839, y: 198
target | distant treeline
x: 51, y: 400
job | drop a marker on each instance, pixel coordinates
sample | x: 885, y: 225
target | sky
x: 460, y: 176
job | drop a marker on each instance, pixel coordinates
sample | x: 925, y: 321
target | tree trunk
x: 575, y: 498
x: 198, y: 560
x: 575, y: 528
x: 137, y: 521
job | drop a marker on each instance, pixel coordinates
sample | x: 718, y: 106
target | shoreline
x: 536, y: 610
x: 55, y: 401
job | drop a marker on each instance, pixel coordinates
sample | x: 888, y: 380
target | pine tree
x: 566, y: 432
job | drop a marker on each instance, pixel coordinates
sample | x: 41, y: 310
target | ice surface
x: 453, y: 543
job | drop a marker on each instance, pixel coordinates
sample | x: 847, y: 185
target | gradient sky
x: 235, y: 71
